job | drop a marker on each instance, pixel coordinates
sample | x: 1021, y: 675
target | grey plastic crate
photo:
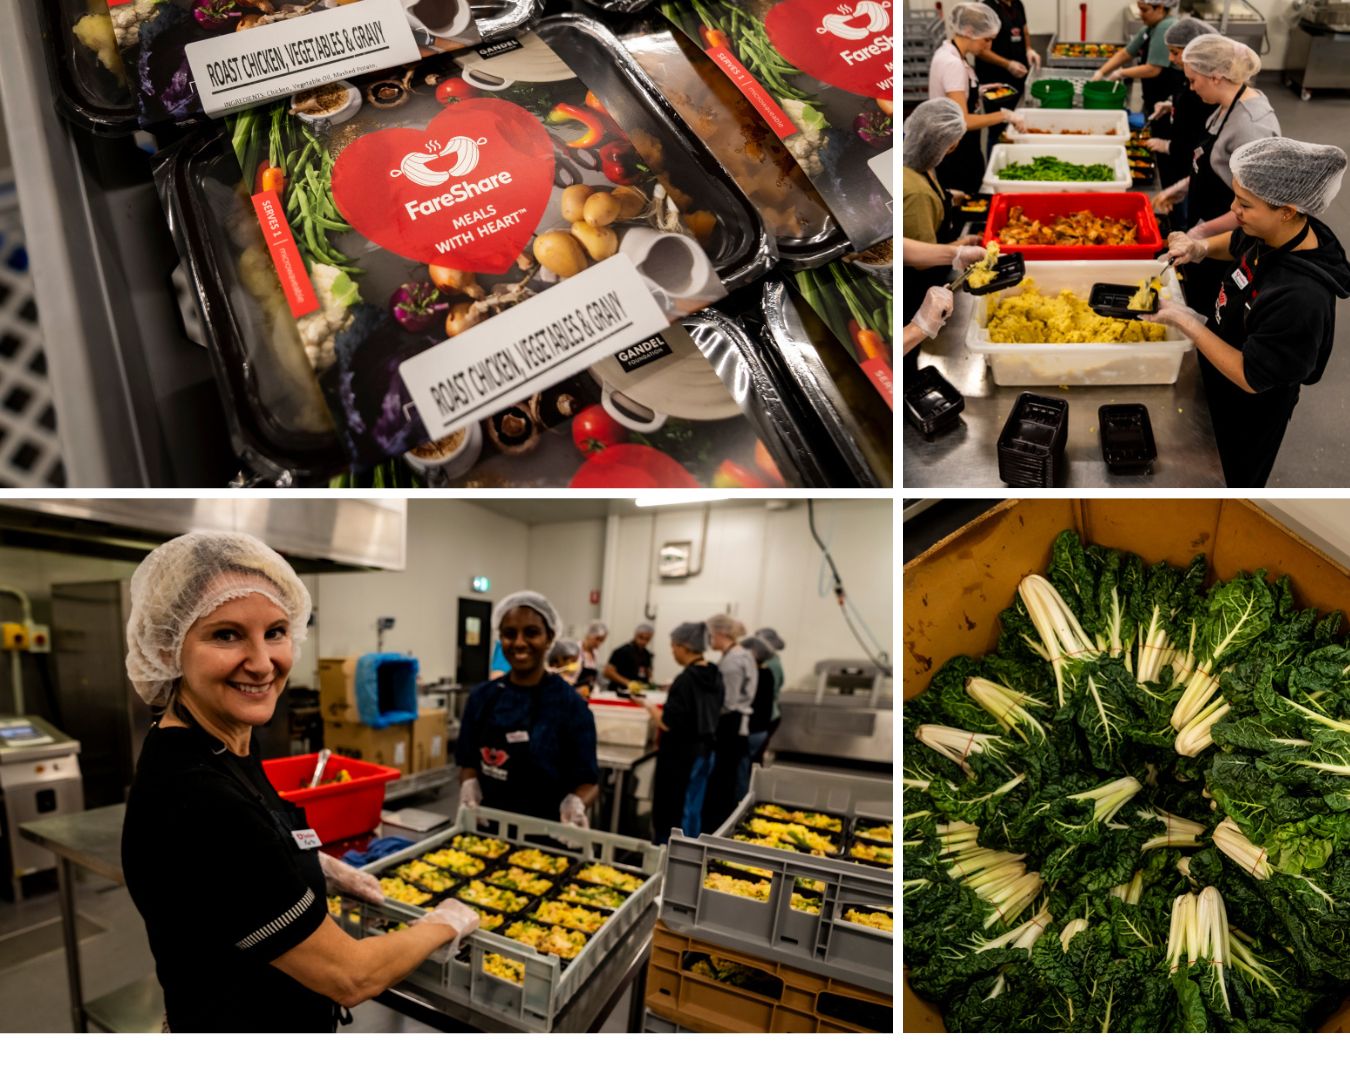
x: 825, y: 944
x: 652, y: 1024
x: 533, y: 1005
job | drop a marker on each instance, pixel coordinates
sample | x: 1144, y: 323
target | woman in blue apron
x: 972, y: 29
x: 226, y: 874
x: 1281, y: 273
x: 527, y: 741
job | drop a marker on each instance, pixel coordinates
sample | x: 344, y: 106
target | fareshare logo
x: 457, y: 157
x: 854, y: 22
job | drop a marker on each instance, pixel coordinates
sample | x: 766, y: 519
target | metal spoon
x: 324, y: 755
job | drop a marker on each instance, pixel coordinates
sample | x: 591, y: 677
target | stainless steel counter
x: 965, y: 456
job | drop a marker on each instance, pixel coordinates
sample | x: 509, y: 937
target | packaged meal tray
x: 426, y: 877
x: 573, y: 916
x: 283, y: 383
x: 626, y: 881
x: 812, y: 819
x: 483, y: 847
x: 546, y: 938
x: 395, y: 888
x: 601, y: 896
x: 493, y: 897
x: 882, y: 919
x: 189, y: 58
x: 821, y: 74
x: 874, y: 831
x: 525, y: 881
x: 541, y: 862
x: 751, y: 887
x: 873, y: 854
x: 843, y: 414
x: 721, y: 116
x: 503, y: 967
x: 799, y: 837
x: 85, y: 66
x: 459, y: 862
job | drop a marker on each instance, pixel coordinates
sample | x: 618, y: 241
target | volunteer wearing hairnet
x: 1275, y: 316
x: 774, y: 666
x: 1218, y: 70
x: 740, y: 679
x: 564, y: 660
x: 631, y: 663
x: 687, y: 724
x: 1148, y: 50
x: 1010, y: 58
x: 971, y: 29
x: 1177, y: 124
x: 595, y: 636
x: 215, y: 628
x: 527, y: 741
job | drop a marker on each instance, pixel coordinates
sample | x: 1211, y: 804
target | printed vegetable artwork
x: 1133, y: 814
x: 859, y: 309
x: 821, y: 74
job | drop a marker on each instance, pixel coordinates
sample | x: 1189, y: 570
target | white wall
x: 35, y: 572
x: 762, y: 567
x: 565, y: 562
x: 449, y: 543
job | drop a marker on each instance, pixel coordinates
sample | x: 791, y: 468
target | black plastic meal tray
x: 1113, y: 301
x: 1031, y: 445
x: 1009, y: 270
x: 575, y: 875
x: 932, y: 404
x: 1126, y: 438
x: 754, y: 812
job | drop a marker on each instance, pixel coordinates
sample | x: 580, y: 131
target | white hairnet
x: 563, y: 652
x: 974, y: 21
x: 596, y: 629
x: 722, y: 623
x: 644, y: 628
x: 188, y: 578
x: 532, y: 600
x: 1170, y: 5
x: 692, y: 635
x: 769, y: 634
x: 760, y: 649
x: 1185, y: 30
x: 1285, y: 172
x: 1221, y: 58
x: 932, y: 129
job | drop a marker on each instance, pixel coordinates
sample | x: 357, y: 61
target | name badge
x: 517, y: 736
x: 1240, y: 278
x: 305, y: 839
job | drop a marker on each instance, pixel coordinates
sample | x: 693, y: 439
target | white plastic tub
x: 1111, y: 364
x: 1108, y: 127
x: 1005, y: 154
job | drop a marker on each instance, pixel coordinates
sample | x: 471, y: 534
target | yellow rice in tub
x: 1032, y: 318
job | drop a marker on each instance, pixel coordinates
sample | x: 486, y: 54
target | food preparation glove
x: 470, y: 794
x: 935, y: 310
x: 1159, y: 146
x: 1015, y: 117
x: 573, y: 812
x: 459, y: 917
x: 348, y: 879
x: 1016, y: 69
x: 1171, y: 313
x: 967, y: 255
x: 1185, y: 248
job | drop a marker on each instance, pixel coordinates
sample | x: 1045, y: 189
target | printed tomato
x: 594, y: 430
x: 632, y: 466
x: 448, y: 90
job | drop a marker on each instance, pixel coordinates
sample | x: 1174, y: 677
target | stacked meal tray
x: 549, y: 915
x: 808, y: 881
x: 1081, y: 54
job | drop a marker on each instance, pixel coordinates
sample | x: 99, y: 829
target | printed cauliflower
x: 127, y: 19
x: 319, y: 329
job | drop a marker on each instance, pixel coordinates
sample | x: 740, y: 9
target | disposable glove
x: 1097, y: 76
x: 1016, y: 69
x: 967, y: 255
x: 459, y: 917
x: 1170, y: 313
x: 1163, y: 108
x: 1170, y: 196
x: 348, y: 879
x: 1184, y: 248
x: 1015, y: 117
x: 1159, y: 146
x: 470, y: 794
x: 934, y: 312
x: 573, y: 812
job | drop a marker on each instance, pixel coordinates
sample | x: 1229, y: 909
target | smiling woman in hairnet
x: 224, y: 871
x: 527, y: 741
x: 1281, y: 272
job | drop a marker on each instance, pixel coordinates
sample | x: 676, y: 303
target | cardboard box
x: 429, y: 738
x: 383, y: 746
x: 337, y: 688
x: 956, y: 589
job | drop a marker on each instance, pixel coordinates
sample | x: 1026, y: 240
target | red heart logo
x: 849, y: 45
x: 493, y: 757
x: 465, y: 193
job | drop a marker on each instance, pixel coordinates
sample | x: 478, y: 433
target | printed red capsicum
x: 269, y: 177
x: 593, y: 102
x: 594, y: 124
x: 619, y: 162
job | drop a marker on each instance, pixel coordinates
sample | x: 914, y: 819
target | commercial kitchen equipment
x: 39, y: 778
x: 1317, y: 56
x: 847, y: 715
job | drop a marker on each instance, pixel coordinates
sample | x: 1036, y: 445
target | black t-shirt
x: 221, y: 895
x: 693, y: 707
x: 631, y: 661
x: 1011, y: 43
x: 761, y: 708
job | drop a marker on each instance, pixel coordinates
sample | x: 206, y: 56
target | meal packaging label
x: 822, y: 75
x: 189, y: 57
x: 859, y: 308
x: 477, y: 231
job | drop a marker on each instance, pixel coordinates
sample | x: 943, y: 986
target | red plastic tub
x: 1129, y: 205
x: 335, y: 811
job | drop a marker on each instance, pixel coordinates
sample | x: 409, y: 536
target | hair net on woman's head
x: 692, y: 635
x: 188, y: 578
x: 597, y: 629
x: 1285, y: 172
x: 1185, y: 30
x: 644, y: 628
x: 562, y: 652
x: 1221, y: 58
x: 760, y: 649
x: 532, y: 600
x: 1170, y: 5
x: 974, y: 21
x: 722, y: 623
x: 932, y: 129
x: 769, y: 634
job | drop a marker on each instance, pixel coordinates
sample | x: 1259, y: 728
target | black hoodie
x: 692, y: 707
x: 1291, y: 315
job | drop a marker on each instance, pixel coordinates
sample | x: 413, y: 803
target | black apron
x: 508, y: 771
x: 1156, y: 88
x: 289, y: 822
x: 915, y: 281
x: 1248, y: 428
x: 963, y: 168
x: 1208, y: 198
x: 1011, y: 45
x: 1176, y: 163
